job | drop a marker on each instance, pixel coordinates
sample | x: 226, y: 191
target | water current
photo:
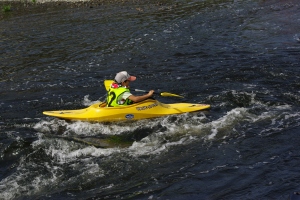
x: 241, y: 57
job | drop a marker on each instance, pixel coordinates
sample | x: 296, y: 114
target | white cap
x: 123, y: 76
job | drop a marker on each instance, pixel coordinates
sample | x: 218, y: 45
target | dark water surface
x: 242, y: 57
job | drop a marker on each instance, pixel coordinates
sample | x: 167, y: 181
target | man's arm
x: 136, y: 99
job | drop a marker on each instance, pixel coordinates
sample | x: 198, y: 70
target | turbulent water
x: 242, y: 57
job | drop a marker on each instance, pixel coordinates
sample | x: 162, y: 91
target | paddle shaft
x: 138, y: 90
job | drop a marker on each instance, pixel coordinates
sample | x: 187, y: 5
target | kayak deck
x: 142, y: 110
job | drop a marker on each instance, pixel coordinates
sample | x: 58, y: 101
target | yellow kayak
x: 143, y: 110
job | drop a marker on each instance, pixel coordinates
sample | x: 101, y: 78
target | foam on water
x: 64, y: 152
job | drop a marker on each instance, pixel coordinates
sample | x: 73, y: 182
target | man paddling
x: 119, y: 92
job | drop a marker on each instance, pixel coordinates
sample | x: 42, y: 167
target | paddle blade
x: 107, y: 84
x: 167, y: 94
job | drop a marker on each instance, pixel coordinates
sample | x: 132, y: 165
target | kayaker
x: 119, y: 92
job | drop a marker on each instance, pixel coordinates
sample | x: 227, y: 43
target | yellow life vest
x: 113, y: 96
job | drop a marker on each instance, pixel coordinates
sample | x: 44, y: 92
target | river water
x: 242, y: 57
